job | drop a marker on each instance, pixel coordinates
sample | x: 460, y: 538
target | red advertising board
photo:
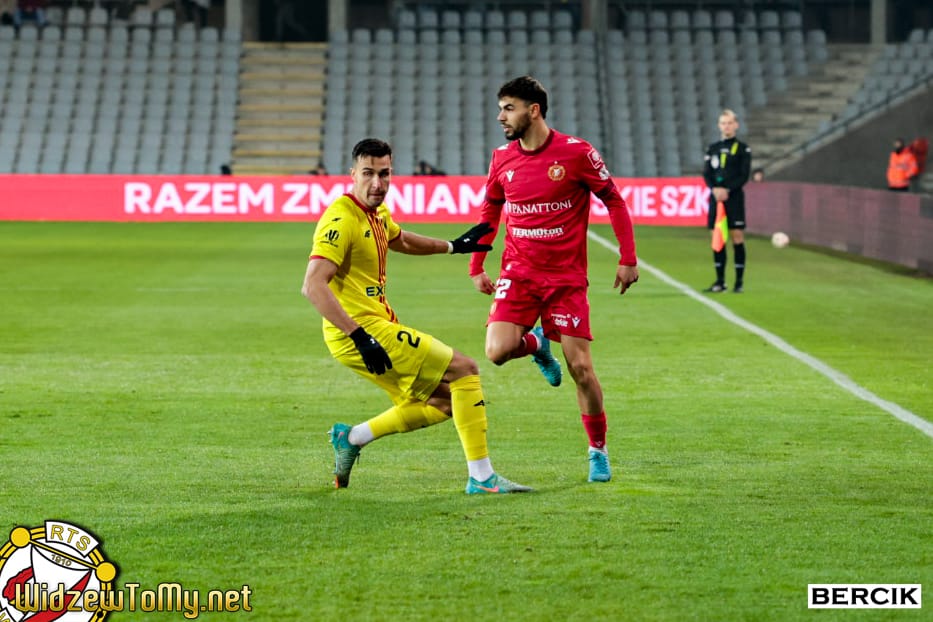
x: 163, y: 198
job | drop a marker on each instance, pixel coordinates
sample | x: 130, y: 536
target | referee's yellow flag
x: 721, y: 228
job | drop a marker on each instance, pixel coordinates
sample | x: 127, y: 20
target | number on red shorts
x: 502, y: 287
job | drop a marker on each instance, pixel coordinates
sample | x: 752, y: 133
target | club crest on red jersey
x: 556, y: 172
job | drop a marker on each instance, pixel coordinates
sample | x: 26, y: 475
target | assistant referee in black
x: 726, y: 169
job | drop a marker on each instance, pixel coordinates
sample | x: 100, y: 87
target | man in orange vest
x: 902, y: 167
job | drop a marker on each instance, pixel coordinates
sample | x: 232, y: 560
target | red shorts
x: 563, y: 309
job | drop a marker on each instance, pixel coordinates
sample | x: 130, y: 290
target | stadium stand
x: 91, y: 94
x: 894, y: 73
x: 655, y: 81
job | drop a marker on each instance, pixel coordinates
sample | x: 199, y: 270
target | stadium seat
x: 95, y: 42
x: 450, y: 20
x: 541, y: 38
x: 724, y: 20
x: 791, y: 20
x: 142, y: 16
x: 51, y: 34
x: 141, y: 36
x: 539, y: 19
x: 749, y: 20
x: 165, y: 19
x: 361, y: 36
x: 472, y: 20
x: 383, y: 36
x: 75, y: 16
x: 97, y: 16
x: 635, y: 19
x: 562, y: 20
x: 657, y: 20
x: 702, y: 19
x: 771, y: 39
x: 407, y: 37
x: 727, y: 41
x: 428, y: 18
x: 495, y: 38
x: 658, y: 39
x: 119, y: 36
x: 768, y: 20
x: 703, y: 39
x: 164, y: 35
x: 516, y: 19
x: 450, y: 39
x: 749, y: 39
x: 209, y: 35
x: 495, y: 20
x: 473, y: 40
x: 562, y: 39
x: 28, y: 32
x: 680, y: 20
x: 406, y: 20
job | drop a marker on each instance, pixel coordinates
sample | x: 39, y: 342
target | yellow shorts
x: 419, y: 361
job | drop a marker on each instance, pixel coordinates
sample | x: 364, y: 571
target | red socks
x: 595, y: 426
x: 529, y: 346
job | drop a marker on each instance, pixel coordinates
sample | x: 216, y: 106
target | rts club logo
x: 55, y: 572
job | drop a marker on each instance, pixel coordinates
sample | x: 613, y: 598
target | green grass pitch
x: 166, y: 387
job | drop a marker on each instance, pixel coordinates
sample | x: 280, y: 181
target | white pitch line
x: 836, y: 376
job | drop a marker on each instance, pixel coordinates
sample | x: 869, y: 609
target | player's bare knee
x: 461, y: 365
x: 582, y: 372
x: 442, y: 404
x: 497, y: 356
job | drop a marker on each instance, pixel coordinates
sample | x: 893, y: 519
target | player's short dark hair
x: 528, y: 90
x: 371, y: 148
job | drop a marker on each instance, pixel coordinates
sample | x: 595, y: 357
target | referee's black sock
x: 719, y: 261
x: 739, y: 262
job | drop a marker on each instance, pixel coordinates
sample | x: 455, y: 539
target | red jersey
x: 545, y: 196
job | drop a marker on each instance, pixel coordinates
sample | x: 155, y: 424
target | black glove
x: 376, y: 359
x: 469, y: 241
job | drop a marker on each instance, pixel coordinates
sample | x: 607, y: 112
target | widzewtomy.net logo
x: 57, y: 572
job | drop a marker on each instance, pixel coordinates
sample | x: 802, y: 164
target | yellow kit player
x: 427, y: 381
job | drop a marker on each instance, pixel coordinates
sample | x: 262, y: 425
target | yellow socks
x: 405, y: 418
x: 469, y: 415
x: 469, y: 411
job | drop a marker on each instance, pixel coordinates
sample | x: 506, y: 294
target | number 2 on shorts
x: 502, y: 288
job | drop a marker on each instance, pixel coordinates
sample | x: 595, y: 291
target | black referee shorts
x: 735, y: 211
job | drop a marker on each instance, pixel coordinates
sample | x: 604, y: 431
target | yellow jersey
x: 356, y: 238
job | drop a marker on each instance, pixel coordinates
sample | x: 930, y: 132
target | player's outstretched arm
x: 416, y: 244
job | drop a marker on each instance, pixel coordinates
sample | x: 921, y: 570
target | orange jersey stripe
x: 382, y: 249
